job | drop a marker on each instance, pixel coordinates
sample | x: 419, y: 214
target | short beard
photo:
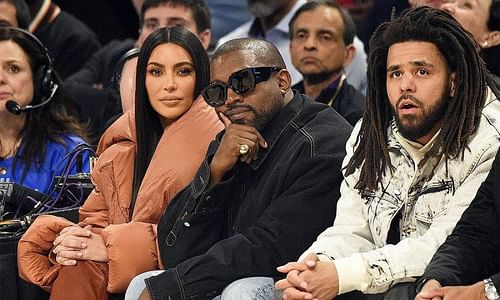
x: 262, y: 118
x: 415, y: 128
x: 261, y: 9
x: 321, y: 77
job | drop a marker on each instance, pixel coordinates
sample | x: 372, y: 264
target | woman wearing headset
x: 36, y: 131
x: 144, y: 161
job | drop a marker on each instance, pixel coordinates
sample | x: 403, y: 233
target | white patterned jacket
x: 430, y: 204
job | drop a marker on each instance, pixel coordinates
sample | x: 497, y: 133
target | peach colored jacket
x: 131, y: 244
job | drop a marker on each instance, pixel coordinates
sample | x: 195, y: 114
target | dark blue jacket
x: 346, y: 100
x: 261, y: 215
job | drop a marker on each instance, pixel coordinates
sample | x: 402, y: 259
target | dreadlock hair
x: 463, y: 112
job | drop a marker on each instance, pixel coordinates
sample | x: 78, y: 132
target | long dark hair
x: 49, y: 122
x: 463, y: 114
x: 148, y: 126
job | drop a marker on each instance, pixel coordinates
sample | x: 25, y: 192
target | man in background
x: 270, y: 22
x: 69, y: 41
x: 321, y: 35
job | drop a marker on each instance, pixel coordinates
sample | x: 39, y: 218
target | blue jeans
x: 137, y: 285
x: 251, y: 288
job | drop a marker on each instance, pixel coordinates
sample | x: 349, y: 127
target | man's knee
x: 401, y: 291
x: 252, y: 288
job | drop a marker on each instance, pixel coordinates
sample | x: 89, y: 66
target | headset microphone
x: 13, y: 107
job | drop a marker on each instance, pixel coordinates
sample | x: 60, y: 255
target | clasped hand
x: 309, y: 279
x: 76, y: 243
x: 432, y: 290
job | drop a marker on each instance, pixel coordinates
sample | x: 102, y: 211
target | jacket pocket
x: 432, y: 202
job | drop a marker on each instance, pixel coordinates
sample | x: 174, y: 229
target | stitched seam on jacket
x: 179, y: 283
x: 308, y: 136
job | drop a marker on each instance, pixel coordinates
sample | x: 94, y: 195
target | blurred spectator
x: 226, y: 15
x: 14, y: 13
x: 70, y: 41
x: 270, y: 22
x: 482, y: 19
x: 125, y: 79
x: 321, y: 46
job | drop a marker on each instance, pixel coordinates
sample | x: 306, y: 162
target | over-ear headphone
x: 44, y: 75
x: 117, y: 70
x: 44, y: 78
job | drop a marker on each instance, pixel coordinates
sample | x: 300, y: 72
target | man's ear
x: 284, y: 80
x: 205, y: 37
x: 349, y: 54
x: 452, y: 84
x: 491, y: 39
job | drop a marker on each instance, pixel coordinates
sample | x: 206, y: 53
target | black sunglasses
x: 242, y: 82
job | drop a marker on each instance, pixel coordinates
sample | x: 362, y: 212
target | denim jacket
x: 261, y: 215
x: 427, y: 201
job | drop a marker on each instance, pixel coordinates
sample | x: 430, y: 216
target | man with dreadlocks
x: 427, y: 141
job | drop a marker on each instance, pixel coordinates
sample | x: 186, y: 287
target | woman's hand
x: 76, y: 243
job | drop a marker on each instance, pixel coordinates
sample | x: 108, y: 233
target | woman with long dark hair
x: 36, y: 130
x: 144, y: 161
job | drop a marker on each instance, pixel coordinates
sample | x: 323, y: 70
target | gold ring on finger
x: 244, y: 149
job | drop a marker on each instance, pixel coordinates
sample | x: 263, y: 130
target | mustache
x: 236, y: 106
x: 408, y: 97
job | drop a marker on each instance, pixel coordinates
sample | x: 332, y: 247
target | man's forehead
x: 169, y: 10
x: 236, y: 59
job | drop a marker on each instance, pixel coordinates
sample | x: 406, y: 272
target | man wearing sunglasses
x: 269, y: 184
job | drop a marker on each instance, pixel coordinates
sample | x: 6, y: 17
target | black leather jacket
x: 261, y: 215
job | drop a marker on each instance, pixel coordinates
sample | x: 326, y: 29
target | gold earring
x: 484, y: 44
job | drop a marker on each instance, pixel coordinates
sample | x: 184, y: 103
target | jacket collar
x: 273, y: 131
